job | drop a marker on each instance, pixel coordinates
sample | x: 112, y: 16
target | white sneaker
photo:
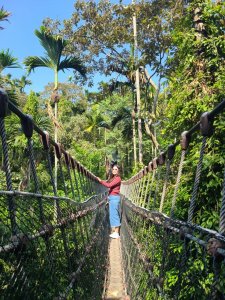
x: 114, y: 235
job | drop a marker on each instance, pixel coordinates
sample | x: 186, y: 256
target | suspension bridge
x: 55, y: 243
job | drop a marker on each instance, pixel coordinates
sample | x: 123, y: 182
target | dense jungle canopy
x: 163, y: 64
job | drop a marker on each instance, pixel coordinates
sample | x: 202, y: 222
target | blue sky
x: 18, y: 35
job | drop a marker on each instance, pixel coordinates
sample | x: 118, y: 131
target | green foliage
x: 7, y: 60
x: 4, y: 14
x: 31, y: 106
x: 95, y: 127
x: 54, y: 47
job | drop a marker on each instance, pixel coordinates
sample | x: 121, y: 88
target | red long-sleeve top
x: 114, y: 185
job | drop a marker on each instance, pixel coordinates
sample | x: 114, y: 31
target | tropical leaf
x: 13, y: 97
x: 21, y: 83
x: 4, y: 16
x: 103, y: 124
x: 7, y: 60
x: 33, y: 62
x: 122, y: 115
x: 43, y: 123
x: 54, y: 46
x: 73, y: 63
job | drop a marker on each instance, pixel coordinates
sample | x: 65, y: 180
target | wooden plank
x: 116, y: 289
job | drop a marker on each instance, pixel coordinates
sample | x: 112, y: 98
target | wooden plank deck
x: 116, y: 287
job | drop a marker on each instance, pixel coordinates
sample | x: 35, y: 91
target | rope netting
x: 173, y: 241
x: 53, y: 239
x: 54, y: 233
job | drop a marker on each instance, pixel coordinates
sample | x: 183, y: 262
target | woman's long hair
x: 111, y: 176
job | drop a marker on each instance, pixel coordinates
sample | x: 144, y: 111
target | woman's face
x: 115, y: 170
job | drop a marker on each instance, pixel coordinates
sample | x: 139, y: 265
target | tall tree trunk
x: 107, y: 163
x: 156, y: 88
x: 137, y: 83
x: 56, y: 118
x: 148, y: 129
x: 134, y: 139
x: 56, y: 141
x: 152, y: 136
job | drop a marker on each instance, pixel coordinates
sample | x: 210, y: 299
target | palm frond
x: 7, y: 60
x: 124, y: 114
x: 73, y: 63
x: 13, y: 97
x: 53, y: 45
x: 103, y: 124
x: 13, y: 128
x: 32, y: 62
x: 43, y: 122
x: 4, y: 14
x: 127, y: 131
x: 23, y: 81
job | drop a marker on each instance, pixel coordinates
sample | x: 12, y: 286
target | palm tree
x: 126, y: 117
x: 7, y: 60
x: 96, y: 121
x: 3, y: 16
x: 21, y: 83
x: 127, y: 69
x: 54, y: 47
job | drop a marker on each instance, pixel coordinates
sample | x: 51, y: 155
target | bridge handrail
x: 49, y: 235
x: 206, y: 117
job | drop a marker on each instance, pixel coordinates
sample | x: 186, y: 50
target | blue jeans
x: 114, y: 210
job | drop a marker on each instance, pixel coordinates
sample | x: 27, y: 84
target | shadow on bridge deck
x: 115, y: 279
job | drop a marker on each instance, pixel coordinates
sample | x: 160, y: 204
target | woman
x: 113, y: 183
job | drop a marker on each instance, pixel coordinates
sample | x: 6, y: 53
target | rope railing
x: 54, y: 240
x: 173, y: 244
